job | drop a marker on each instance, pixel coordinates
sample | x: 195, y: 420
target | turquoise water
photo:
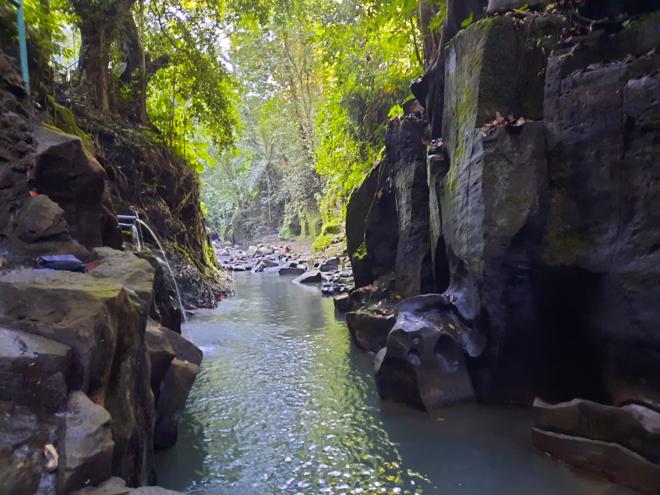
x: 285, y: 404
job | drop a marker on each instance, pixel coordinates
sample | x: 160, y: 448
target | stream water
x: 285, y: 404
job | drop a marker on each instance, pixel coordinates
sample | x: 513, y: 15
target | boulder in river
x: 291, y: 271
x: 171, y: 400
x: 329, y: 265
x: 370, y: 325
x: 620, y: 443
x: 424, y: 361
x: 161, y: 354
x: 311, y: 277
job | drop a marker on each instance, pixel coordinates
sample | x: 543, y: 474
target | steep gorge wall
x: 543, y: 227
x: 537, y: 218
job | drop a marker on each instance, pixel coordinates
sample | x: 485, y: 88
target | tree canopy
x: 281, y: 105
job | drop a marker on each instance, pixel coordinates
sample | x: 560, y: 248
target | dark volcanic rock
x: 291, y: 271
x: 342, y: 302
x: 73, y: 178
x: 370, y: 325
x: 602, y: 223
x: 406, y: 154
x: 633, y: 426
x: 86, y: 450
x: 611, y: 460
x: 41, y: 219
x: 312, y: 277
x: 171, y: 400
x: 424, y: 362
x: 183, y: 348
x: 161, y: 354
x: 371, y: 226
x: 103, y: 323
x: 33, y: 370
x: 329, y: 265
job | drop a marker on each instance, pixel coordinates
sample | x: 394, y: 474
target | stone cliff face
x: 536, y: 215
x: 90, y: 383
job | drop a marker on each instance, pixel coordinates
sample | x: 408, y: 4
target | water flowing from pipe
x: 169, y: 268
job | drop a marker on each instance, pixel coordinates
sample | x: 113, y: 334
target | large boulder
x: 161, y: 354
x: 172, y: 399
x: 424, y: 362
x: 619, y: 443
x: 103, y: 323
x: 72, y: 177
x: 33, y: 370
x: 633, y: 426
x: 86, y: 449
x: 40, y: 219
x: 370, y: 325
x: 132, y: 272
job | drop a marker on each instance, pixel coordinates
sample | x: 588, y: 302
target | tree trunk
x: 93, y: 64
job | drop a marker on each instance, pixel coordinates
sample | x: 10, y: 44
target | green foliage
x: 322, y: 242
x: 467, y: 21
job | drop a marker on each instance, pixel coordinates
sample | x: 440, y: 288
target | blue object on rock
x: 66, y: 262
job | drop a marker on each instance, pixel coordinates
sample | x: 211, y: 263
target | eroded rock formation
x: 537, y: 216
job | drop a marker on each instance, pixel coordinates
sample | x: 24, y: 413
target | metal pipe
x: 22, y: 43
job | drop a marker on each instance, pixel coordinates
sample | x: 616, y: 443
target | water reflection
x: 286, y: 405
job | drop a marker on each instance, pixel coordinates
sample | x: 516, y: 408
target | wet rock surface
x: 620, y: 443
x: 424, y: 360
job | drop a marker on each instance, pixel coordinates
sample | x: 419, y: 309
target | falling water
x: 169, y: 268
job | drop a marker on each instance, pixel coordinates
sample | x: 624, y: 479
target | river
x: 286, y: 404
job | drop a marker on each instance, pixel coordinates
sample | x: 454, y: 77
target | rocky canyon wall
x: 90, y: 383
x: 527, y: 197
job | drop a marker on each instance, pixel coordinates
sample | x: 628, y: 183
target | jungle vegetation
x: 280, y: 105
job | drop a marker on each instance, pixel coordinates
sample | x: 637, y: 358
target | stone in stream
x: 262, y: 265
x: 423, y: 363
x: 610, y: 460
x: 633, y: 426
x: 291, y: 271
x: 33, y: 370
x: 329, y: 265
x: 342, y: 302
x: 370, y: 325
x: 171, y: 401
x: 183, y: 348
x: 87, y: 446
x: 311, y: 277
